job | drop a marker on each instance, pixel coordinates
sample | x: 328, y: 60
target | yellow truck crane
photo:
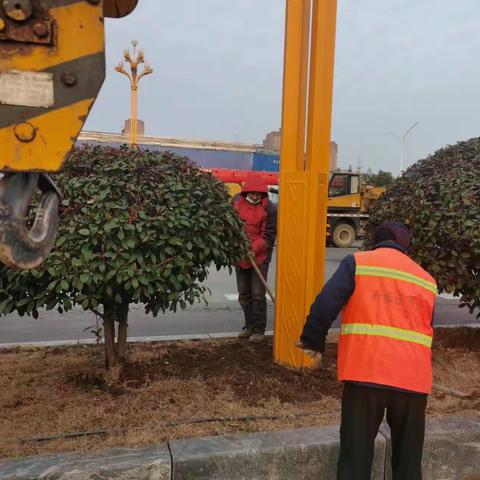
x: 349, y: 202
x: 52, y: 65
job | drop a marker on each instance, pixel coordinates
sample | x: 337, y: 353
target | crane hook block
x: 26, y: 245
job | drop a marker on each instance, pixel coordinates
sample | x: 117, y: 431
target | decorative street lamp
x: 135, y: 60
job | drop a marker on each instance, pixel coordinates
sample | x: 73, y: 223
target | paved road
x: 222, y: 315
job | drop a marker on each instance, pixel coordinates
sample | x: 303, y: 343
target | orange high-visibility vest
x: 386, y: 331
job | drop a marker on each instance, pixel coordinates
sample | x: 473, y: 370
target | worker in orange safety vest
x: 386, y: 302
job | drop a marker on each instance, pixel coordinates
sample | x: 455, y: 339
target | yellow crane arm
x: 52, y: 66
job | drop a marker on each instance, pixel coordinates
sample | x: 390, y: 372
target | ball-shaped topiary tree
x: 439, y: 199
x: 135, y: 227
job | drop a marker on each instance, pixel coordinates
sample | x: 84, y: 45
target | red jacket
x: 260, y: 222
x: 255, y: 218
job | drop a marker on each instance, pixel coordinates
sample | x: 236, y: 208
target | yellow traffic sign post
x: 306, y: 126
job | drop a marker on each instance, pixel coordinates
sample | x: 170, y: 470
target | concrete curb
x: 160, y: 338
x: 149, y: 463
x: 332, y: 337
x: 452, y: 452
x: 307, y: 453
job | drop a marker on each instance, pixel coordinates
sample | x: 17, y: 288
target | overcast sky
x: 218, y: 73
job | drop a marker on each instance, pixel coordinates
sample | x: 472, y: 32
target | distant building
x: 140, y: 127
x: 273, y: 139
x: 333, y: 156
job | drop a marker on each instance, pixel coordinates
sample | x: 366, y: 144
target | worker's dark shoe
x: 245, y: 333
x: 256, y: 338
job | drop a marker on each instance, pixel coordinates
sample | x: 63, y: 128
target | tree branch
x: 97, y: 313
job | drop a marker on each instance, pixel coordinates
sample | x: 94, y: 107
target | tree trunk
x: 109, y: 329
x: 122, y: 333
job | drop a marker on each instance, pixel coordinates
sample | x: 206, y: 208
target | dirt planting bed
x: 185, y: 389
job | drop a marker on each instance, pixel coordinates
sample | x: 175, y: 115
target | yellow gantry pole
x: 306, y: 123
x: 318, y: 138
x: 292, y: 221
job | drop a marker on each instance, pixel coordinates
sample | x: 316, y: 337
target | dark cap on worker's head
x: 392, y: 232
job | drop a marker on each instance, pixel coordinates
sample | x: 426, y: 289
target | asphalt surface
x: 222, y: 315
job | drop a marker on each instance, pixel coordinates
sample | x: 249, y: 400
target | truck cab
x: 348, y: 205
x: 344, y: 192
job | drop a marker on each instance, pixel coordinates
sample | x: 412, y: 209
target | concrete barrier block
x: 451, y: 452
x: 307, y: 453
x: 150, y: 463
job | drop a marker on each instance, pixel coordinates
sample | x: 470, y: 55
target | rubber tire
x: 343, y: 235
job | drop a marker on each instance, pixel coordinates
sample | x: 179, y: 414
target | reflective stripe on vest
x: 396, y: 275
x: 389, y: 332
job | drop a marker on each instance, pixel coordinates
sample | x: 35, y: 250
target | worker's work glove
x: 314, y: 355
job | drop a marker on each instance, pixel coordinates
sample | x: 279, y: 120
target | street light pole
x: 134, y: 60
x: 402, y: 142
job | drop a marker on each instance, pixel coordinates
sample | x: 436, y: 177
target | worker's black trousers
x: 363, y: 409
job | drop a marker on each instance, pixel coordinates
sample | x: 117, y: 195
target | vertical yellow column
x: 318, y: 139
x: 310, y: 28
x: 292, y: 226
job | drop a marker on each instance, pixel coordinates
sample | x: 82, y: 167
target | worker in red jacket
x: 259, y: 215
x: 384, y: 351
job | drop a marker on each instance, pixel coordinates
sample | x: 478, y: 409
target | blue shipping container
x: 204, y: 158
x: 266, y: 162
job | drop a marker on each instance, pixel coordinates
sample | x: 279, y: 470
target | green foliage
x: 135, y: 227
x: 379, y: 179
x: 439, y: 198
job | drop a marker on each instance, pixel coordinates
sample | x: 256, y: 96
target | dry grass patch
x: 51, y: 391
